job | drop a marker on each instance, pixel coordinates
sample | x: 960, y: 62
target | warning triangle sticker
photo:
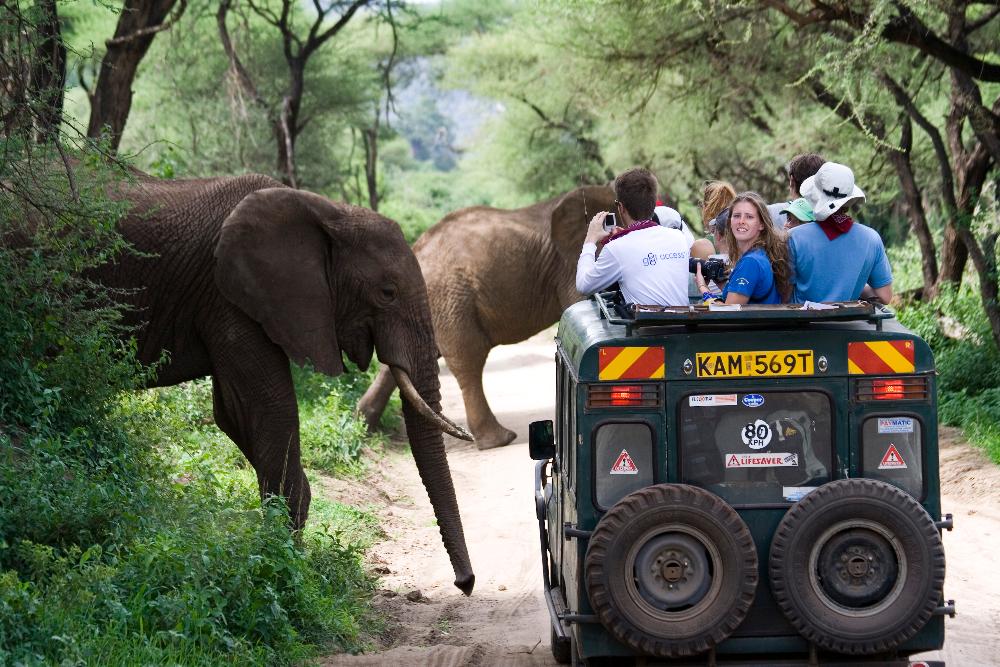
x: 624, y: 465
x: 892, y: 459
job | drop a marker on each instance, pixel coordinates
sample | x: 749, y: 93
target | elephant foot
x: 497, y: 437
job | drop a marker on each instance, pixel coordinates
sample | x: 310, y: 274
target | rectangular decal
x: 630, y: 363
x: 880, y: 357
x: 795, y: 493
x: 895, y: 425
x: 771, y: 363
x: 706, y: 400
x: 772, y: 460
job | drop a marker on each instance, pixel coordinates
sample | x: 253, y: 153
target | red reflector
x: 888, y: 390
x: 626, y: 394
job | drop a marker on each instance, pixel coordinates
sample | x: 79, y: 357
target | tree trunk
x: 48, y: 74
x: 370, y: 135
x: 915, y: 208
x: 138, y: 24
x: 954, y: 255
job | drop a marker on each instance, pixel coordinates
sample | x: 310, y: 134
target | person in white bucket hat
x: 830, y: 189
x: 835, y: 257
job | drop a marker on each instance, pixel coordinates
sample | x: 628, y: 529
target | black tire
x: 671, y: 570
x: 857, y: 566
x: 561, y: 649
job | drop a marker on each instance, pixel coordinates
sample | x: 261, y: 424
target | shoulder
x: 866, y: 231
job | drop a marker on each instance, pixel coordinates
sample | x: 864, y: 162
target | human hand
x: 595, y: 231
x: 699, y: 279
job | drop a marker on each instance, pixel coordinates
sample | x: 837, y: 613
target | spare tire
x: 671, y: 570
x: 857, y: 566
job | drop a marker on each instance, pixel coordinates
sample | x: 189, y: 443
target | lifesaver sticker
x: 771, y: 460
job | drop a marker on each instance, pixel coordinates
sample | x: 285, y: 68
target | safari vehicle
x: 741, y: 487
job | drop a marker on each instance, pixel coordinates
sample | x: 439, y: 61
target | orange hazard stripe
x: 630, y: 363
x: 880, y: 357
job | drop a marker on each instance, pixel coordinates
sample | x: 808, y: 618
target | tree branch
x: 944, y: 163
x: 150, y: 30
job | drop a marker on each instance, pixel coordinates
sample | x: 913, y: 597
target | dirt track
x: 505, y: 621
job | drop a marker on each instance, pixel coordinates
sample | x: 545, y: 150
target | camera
x: 609, y: 222
x: 713, y: 268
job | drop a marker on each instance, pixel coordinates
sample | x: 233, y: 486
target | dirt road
x: 505, y: 621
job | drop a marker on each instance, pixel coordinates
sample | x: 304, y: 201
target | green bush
x: 131, y: 530
x: 968, y: 363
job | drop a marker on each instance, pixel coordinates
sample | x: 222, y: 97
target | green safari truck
x: 741, y: 487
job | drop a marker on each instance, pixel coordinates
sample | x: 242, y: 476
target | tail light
x: 900, y: 388
x: 623, y: 395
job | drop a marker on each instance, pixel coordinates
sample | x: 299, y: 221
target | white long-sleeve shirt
x: 650, y: 265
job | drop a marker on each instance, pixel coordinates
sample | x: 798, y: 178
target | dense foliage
x: 131, y: 530
x: 130, y: 527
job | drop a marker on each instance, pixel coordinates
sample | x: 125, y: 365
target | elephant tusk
x: 407, y: 389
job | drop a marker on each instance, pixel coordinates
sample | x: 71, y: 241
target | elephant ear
x: 272, y: 263
x: 572, y: 214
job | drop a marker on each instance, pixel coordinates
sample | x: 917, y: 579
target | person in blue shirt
x: 757, y: 252
x: 836, y: 256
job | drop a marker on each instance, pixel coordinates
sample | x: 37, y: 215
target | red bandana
x: 634, y: 227
x: 837, y: 224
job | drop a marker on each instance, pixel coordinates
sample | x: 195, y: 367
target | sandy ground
x: 429, y: 622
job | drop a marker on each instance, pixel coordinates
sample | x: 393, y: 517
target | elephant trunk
x: 424, y: 423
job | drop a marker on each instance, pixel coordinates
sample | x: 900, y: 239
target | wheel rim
x: 857, y: 568
x: 673, y: 572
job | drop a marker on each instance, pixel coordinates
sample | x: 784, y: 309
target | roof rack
x: 633, y: 316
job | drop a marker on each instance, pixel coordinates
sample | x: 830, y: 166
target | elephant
x: 495, y: 277
x: 234, y: 277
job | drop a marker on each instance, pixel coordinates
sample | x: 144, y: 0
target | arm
x: 884, y: 293
x: 736, y: 297
x: 593, y: 274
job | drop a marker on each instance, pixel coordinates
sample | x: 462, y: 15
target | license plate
x: 754, y: 364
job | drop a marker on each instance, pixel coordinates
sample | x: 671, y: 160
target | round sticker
x: 756, y: 435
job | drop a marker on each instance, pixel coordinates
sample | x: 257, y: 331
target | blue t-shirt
x: 837, y: 270
x: 752, y: 276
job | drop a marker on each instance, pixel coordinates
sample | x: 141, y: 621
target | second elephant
x: 496, y: 277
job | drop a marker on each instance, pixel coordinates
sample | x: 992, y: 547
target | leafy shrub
x: 968, y: 362
x: 131, y: 530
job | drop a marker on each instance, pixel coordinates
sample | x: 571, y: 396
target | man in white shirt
x: 650, y: 262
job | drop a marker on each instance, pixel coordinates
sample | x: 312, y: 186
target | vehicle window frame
x: 831, y: 402
x: 866, y: 417
x: 615, y: 419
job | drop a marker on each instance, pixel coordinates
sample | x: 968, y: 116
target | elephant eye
x: 388, y: 293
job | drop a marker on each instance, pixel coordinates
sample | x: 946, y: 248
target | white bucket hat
x: 830, y: 189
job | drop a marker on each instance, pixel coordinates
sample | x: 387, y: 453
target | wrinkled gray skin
x: 496, y: 277
x: 244, y: 274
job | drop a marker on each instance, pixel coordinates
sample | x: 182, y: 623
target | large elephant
x: 236, y: 276
x: 496, y: 277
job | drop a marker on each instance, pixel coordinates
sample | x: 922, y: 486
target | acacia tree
x: 285, y: 115
x: 882, y: 67
x: 111, y: 99
x: 944, y: 41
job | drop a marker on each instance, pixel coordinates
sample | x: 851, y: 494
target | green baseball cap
x: 801, y: 209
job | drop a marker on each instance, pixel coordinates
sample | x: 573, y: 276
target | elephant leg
x: 467, y: 367
x: 372, y: 404
x: 254, y: 404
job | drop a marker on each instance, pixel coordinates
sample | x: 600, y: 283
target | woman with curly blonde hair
x: 758, y: 253
x: 716, y: 196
